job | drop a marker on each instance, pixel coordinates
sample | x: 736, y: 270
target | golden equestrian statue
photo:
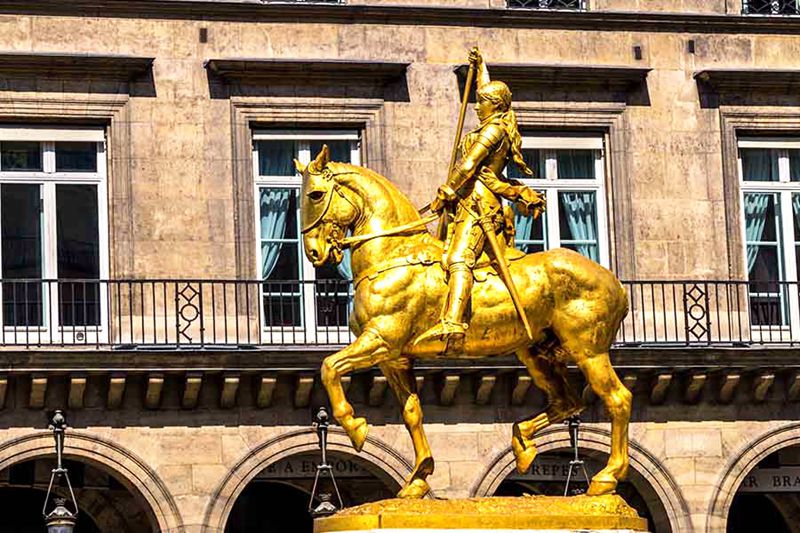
x: 570, y: 305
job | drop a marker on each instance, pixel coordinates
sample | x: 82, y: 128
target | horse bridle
x: 337, y: 239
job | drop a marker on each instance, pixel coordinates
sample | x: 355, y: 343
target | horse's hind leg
x: 369, y: 349
x: 549, y: 375
x: 617, y: 399
x: 401, y: 379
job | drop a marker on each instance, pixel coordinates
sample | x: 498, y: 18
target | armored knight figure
x: 475, y: 188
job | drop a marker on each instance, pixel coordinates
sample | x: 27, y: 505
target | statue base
x: 529, y: 514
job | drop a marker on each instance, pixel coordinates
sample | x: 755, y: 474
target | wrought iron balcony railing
x: 216, y: 314
x: 575, y: 5
x: 771, y: 7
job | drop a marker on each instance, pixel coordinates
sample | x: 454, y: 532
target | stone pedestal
x: 525, y: 514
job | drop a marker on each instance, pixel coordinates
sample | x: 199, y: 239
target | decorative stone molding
x: 585, y: 77
x: 611, y: 119
x: 376, y: 452
x: 110, y: 67
x: 733, y: 119
x: 301, y: 70
x: 643, y: 462
x: 110, y: 109
x: 260, y: 11
x: 129, y: 469
x: 739, y: 465
x: 364, y: 114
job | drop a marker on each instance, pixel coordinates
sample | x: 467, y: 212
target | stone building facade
x: 142, y: 145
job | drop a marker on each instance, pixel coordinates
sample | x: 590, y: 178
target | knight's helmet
x: 317, y: 190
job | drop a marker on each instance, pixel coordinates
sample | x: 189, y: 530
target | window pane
x: 794, y: 165
x: 282, y: 304
x: 78, y: 252
x: 576, y: 164
x: 531, y: 235
x: 278, y: 211
x: 535, y: 161
x: 275, y: 158
x: 578, y: 222
x: 340, y: 150
x: 767, y: 298
x: 21, y: 235
x: 333, y: 296
x: 76, y: 157
x: 765, y: 265
x: 19, y: 156
x: 759, y: 164
x: 760, y: 218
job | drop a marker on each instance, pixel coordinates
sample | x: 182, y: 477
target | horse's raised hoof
x: 524, y: 455
x: 357, y: 431
x: 602, y: 484
x: 417, y: 489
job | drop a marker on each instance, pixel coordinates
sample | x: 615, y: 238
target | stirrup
x: 444, y: 330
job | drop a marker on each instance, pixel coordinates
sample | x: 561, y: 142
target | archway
x: 105, y: 504
x: 736, y: 487
x: 277, y: 499
x: 647, y: 475
x: 98, y: 456
x: 768, y: 499
x: 381, y: 459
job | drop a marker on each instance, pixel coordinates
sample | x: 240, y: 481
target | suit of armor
x: 476, y: 186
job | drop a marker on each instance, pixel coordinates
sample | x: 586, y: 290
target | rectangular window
x: 570, y: 171
x: 771, y: 7
x: 53, y: 236
x: 770, y: 179
x: 575, y: 5
x: 294, y: 293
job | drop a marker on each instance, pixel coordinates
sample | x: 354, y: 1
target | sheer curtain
x: 575, y: 164
x: 580, y: 213
x: 523, y: 225
x: 755, y: 217
x: 274, y: 211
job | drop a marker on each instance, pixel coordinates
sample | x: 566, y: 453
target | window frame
x: 307, y: 272
x: 48, y: 179
x: 549, y: 144
x: 784, y: 189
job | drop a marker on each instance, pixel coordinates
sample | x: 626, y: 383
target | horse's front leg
x: 369, y: 349
x: 401, y: 379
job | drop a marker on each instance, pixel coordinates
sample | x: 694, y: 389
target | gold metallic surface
x: 609, y: 512
x: 406, y: 280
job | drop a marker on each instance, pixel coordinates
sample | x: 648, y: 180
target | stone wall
x: 181, y: 212
x: 191, y: 476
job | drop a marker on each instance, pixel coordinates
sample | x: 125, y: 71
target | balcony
x: 573, y: 5
x: 258, y: 315
x: 771, y: 7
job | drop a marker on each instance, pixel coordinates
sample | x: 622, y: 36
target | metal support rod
x: 60, y: 514
x: 576, y: 464
x: 326, y: 507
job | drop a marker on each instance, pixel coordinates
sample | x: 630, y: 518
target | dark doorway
x: 276, y: 501
x: 105, y: 504
x: 768, y: 498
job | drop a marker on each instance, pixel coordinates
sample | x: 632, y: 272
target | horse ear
x: 301, y: 168
x: 322, y: 159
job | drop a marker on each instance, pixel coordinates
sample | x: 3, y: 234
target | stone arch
x: 132, y: 471
x: 376, y: 452
x: 740, y: 464
x: 642, y: 461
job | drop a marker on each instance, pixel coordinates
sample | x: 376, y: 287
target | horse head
x: 326, y: 213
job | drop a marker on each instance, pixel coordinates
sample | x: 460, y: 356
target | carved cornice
x: 742, y: 80
x: 81, y: 66
x: 305, y: 70
x: 573, y: 77
x: 260, y: 11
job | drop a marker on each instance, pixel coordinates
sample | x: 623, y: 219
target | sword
x: 502, y: 267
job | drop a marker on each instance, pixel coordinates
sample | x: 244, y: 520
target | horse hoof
x: 602, y: 486
x: 415, y: 490
x: 524, y: 456
x: 357, y: 431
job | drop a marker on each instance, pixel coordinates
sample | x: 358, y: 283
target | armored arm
x: 483, y: 72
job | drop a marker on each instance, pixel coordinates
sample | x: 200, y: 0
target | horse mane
x: 369, y: 184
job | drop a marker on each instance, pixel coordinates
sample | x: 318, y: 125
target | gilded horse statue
x: 573, y: 305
